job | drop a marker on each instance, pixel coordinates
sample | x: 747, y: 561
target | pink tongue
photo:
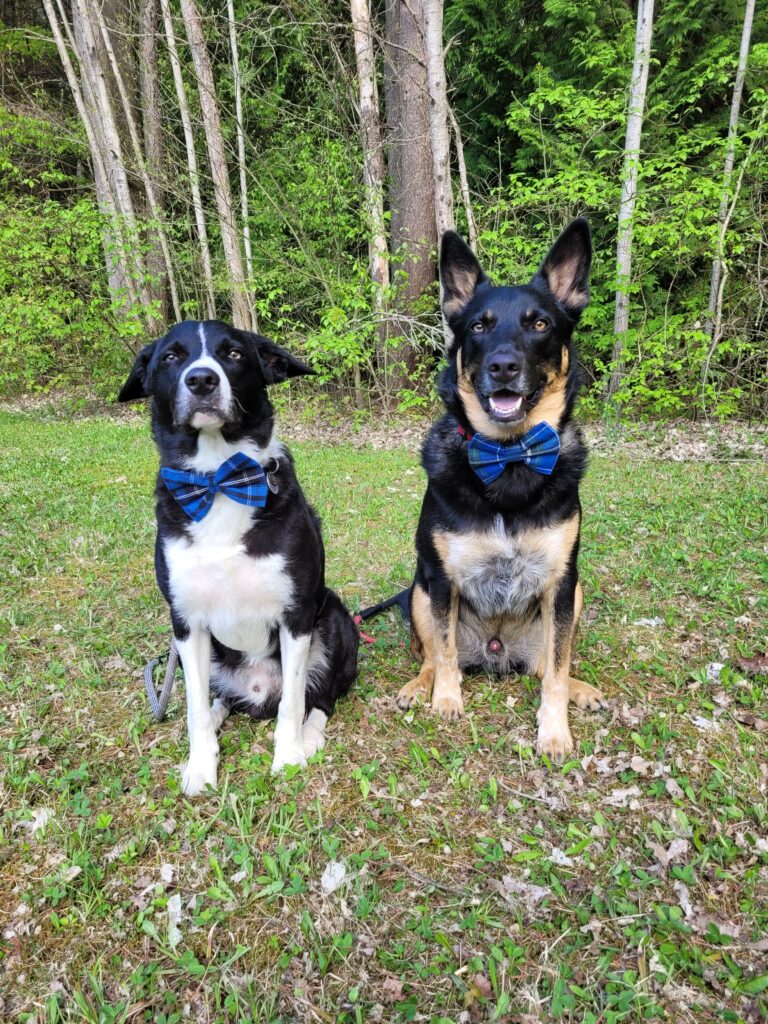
x: 507, y: 405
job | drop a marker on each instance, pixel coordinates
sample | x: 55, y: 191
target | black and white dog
x: 239, y: 555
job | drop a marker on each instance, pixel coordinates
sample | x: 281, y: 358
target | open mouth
x: 507, y: 405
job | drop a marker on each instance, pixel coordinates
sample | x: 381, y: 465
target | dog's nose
x: 503, y: 366
x: 202, y: 381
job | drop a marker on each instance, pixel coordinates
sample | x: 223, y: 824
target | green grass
x: 481, y: 882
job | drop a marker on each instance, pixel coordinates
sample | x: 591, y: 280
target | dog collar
x: 240, y: 478
x: 538, y: 448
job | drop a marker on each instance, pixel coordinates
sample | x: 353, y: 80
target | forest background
x: 290, y: 166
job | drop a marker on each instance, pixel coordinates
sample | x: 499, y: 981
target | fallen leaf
x: 651, y: 623
x: 747, y: 718
x: 640, y: 764
x: 483, y: 986
x: 754, y: 666
x: 621, y: 797
x: 683, y: 897
x: 174, y: 917
x: 392, y: 989
x: 713, y: 669
x: 674, y: 788
x: 332, y: 877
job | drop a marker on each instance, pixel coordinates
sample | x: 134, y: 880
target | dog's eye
x: 478, y: 327
x: 235, y: 353
x: 540, y: 324
x: 170, y: 357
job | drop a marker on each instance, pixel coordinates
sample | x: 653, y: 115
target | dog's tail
x: 402, y: 600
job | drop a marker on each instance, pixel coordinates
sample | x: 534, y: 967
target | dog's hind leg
x: 313, y: 732
x: 419, y: 690
x: 583, y: 695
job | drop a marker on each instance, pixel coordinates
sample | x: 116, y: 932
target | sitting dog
x: 239, y: 556
x: 496, y: 586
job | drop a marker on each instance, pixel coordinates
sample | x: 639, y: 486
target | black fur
x: 287, y: 525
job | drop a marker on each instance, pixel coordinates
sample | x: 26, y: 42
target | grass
x: 480, y: 882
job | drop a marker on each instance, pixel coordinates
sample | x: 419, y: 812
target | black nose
x: 503, y: 366
x: 202, y: 381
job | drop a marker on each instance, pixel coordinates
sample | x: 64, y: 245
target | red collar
x: 464, y: 433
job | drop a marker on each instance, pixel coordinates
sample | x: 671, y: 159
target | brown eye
x: 540, y: 325
x: 235, y: 353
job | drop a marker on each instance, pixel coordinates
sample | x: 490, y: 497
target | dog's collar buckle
x: 270, y: 468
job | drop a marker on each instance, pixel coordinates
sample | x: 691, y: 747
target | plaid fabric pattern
x: 241, y: 478
x: 538, y: 449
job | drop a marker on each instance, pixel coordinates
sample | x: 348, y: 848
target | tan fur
x: 440, y: 672
x: 561, y: 285
x: 548, y: 409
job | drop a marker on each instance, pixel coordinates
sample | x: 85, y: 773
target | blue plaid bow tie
x: 241, y: 478
x: 538, y: 449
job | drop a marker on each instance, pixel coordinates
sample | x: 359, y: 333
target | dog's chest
x: 503, y: 573
x: 216, y: 585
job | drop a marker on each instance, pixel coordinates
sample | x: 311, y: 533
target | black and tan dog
x: 496, y: 586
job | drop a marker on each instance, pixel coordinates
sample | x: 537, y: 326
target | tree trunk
x: 126, y: 270
x: 373, y: 161
x: 154, y: 206
x: 150, y: 104
x: 194, y: 174
x: 241, y: 314
x: 730, y: 152
x: 466, y: 198
x: 413, y: 233
x: 438, y: 115
x: 643, y: 36
x: 241, y: 157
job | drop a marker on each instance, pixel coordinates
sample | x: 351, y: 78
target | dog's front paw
x: 449, y: 704
x: 288, y: 753
x: 585, y: 696
x: 554, y: 738
x: 199, y: 772
x: 313, y: 732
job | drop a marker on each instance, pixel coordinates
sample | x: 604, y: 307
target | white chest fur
x: 502, y: 573
x: 215, y: 584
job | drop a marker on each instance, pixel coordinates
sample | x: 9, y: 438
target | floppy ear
x: 277, y: 363
x: 565, y: 270
x: 460, y: 273
x: 137, y: 384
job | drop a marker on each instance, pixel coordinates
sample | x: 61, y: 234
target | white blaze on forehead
x: 201, y: 335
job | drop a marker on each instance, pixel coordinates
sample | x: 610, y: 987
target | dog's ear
x: 565, y: 270
x: 277, y: 363
x: 137, y: 385
x: 460, y: 273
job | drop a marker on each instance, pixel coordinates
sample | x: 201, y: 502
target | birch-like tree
x: 241, y: 307
x: 714, y: 308
x: 630, y: 176
x: 432, y: 12
x: 192, y: 166
x: 373, y: 150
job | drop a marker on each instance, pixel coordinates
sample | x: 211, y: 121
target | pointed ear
x: 565, y: 270
x: 460, y: 273
x: 277, y: 363
x: 137, y: 384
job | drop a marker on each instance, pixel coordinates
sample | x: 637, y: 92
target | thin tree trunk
x: 241, y: 156
x: 241, y: 314
x: 643, y: 37
x: 194, y: 174
x: 126, y: 271
x: 413, y: 233
x: 438, y: 115
x: 133, y: 134
x: 151, y: 107
x: 373, y: 162
x: 466, y: 199
x: 730, y: 152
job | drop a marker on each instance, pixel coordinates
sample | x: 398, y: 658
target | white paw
x: 200, y: 771
x: 288, y: 753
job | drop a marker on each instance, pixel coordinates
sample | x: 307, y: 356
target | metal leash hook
x: 159, y: 702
